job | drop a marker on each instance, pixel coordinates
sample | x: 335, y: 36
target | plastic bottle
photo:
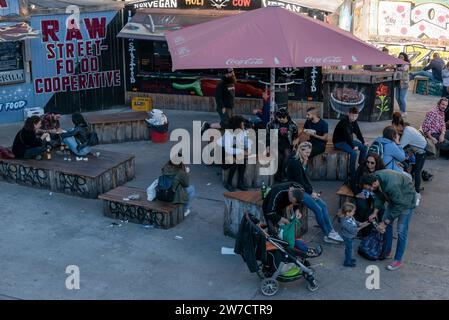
x: 263, y: 190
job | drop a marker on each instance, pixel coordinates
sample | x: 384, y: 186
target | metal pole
x: 272, y: 92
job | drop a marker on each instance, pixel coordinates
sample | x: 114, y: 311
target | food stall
x: 371, y: 92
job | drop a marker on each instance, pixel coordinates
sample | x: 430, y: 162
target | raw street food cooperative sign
x: 12, y: 106
x: 76, y: 57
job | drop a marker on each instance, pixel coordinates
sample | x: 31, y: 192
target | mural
x: 419, y: 54
x: 406, y: 19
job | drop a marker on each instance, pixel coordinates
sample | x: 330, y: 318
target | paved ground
x: 41, y: 234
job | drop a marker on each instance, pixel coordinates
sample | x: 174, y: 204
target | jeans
x: 348, y: 250
x: 444, y: 145
x: 417, y: 169
x: 403, y: 222
x: 284, y: 156
x: 353, y: 154
x: 301, y: 245
x: 73, y: 146
x: 33, y: 152
x: 423, y: 73
x: 191, y: 193
x: 317, y: 148
x: 401, y: 94
x: 319, y: 208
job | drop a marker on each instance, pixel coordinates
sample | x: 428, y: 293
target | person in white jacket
x: 445, y: 76
x: 236, y: 144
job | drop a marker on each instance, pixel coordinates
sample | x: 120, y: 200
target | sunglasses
x: 370, y: 162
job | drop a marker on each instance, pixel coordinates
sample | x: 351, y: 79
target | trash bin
x: 159, y: 133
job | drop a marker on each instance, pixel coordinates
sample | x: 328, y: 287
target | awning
x: 17, y: 32
x: 153, y: 23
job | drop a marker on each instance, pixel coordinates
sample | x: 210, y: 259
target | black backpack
x: 92, y: 137
x: 164, y: 188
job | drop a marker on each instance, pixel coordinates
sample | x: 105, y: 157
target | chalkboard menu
x: 11, y: 56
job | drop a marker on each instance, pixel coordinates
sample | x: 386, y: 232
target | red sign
x: 3, y: 4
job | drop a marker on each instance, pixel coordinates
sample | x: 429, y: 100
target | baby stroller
x: 271, y: 258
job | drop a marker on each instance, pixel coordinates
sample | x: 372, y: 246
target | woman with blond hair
x: 296, y: 172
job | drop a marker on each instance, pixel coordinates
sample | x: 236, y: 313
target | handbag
x: 431, y: 149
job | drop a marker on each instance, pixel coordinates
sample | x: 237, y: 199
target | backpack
x: 6, y: 153
x: 372, y: 246
x: 92, y: 137
x: 377, y: 148
x: 164, y: 188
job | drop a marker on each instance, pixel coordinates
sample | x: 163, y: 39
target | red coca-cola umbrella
x: 270, y: 37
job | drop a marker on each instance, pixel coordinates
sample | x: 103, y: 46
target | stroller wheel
x: 312, y: 285
x: 269, y: 287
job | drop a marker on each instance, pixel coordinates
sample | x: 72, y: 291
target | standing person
x: 319, y: 131
x: 183, y: 190
x: 287, y: 132
x: 436, y: 65
x: 413, y: 140
x: 78, y: 138
x: 27, y: 144
x: 343, y: 139
x: 224, y: 100
x: 434, y: 125
x: 296, y: 172
x: 349, y: 229
x: 402, y: 88
x: 235, y: 144
x: 398, y: 192
x: 445, y: 76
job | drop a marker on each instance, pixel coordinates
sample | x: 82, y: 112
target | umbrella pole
x: 272, y: 92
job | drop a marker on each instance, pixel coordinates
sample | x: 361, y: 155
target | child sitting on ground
x: 349, y: 229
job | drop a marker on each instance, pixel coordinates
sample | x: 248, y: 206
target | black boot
x: 242, y: 186
x: 229, y: 187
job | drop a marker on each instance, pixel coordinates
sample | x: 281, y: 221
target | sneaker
x: 242, y: 186
x: 333, y: 235
x: 388, y: 256
x: 329, y: 240
x: 186, y: 213
x: 418, y: 199
x: 349, y: 264
x: 394, y: 266
x: 404, y: 114
x: 38, y: 157
x: 229, y: 187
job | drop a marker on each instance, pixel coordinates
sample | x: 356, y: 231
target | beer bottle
x: 263, y: 190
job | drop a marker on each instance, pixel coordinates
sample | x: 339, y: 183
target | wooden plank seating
x: 86, y: 179
x: 330, y: 165
x: 120, y: 127
x: 239, y: 202
x: 159, y: 214
x: 345, y: 194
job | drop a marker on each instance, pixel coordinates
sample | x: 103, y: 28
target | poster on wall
x: 74, y: 56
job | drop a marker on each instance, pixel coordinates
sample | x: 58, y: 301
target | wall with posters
x: 73, y: 68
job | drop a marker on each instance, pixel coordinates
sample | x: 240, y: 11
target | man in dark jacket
x: 398, y: 191
x: 225, y: 95
x: 436, y: 65
x: 343, y: 139
x: 278, y: 198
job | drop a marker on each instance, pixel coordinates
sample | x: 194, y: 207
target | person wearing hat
x: 287, y: 133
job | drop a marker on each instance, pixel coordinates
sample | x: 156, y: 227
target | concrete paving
x: 42, y: 233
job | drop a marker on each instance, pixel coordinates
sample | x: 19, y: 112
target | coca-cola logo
x: 323, y: 60
x: 246, y: 62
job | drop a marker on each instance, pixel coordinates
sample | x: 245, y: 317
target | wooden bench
x: 345, y: 194
x: 239, y: 202
x: 331, y: 165
x: 80, y: 178
x: 120, y: 127
x: 159, y: 214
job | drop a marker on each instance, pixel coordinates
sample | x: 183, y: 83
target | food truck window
x: 11, y: 62
x: 162, y: 59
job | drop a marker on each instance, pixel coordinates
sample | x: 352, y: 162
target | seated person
x: 436, y: 65
x: 343, y: 139
x: 27, y: 144
x: 264, y: 113
x: 434, y: 125
x: 78, y: 138
x: 51, y: 125
x: 183, y: 190
x: 393, y: 153
x: 318, y: 131
x: 279, y: 198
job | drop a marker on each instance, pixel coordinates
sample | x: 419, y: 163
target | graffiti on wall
x: 419, y: 55
x: 75, y: 57
x: 405, y: 19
